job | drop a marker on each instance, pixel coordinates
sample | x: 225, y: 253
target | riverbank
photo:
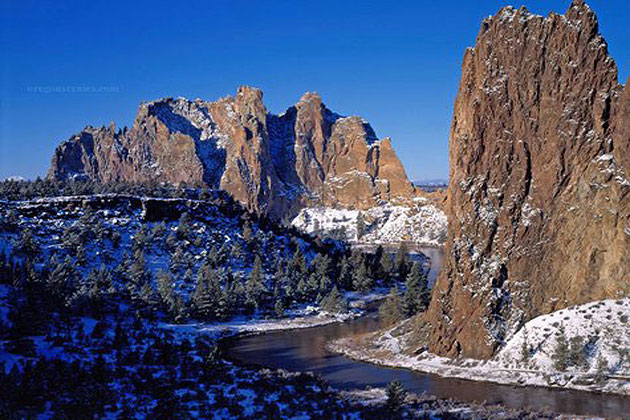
x: 401, y: 347
x: 370, y: 402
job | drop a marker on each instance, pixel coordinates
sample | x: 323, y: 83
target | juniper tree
x: 396, y: 396
x: 360, y: 225
x: 299, y: 262
x: 279, y: 305
x: 171, y: 240
x: 11, y: 221
x: 601, y: 373
x: 576, y: 351
x: 525, y: 351
x: 158, y: 231
x: 414, y: 299
x: 560, y: 355
x: 184, y: 227
x: 80, y: 255
x: 137, y: 271
x: 236, y: 252
x: 147, y: 297
x: 178, y: 260
x: 248, y: 234
x: 141, y: 239
x: 345, y: 274
x: 205, y: 298
x: 26, y: 245
x: 62, y: 278
x: 361, y: 279
x: 97, y: 286
x: 334, y: 302
x: 255, y: 285
x: 386, y: 266
x: 165, y: 290
x: 401, y: 262
x: 391, y: 311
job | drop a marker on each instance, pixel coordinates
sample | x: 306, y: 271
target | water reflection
x: 304, y: 350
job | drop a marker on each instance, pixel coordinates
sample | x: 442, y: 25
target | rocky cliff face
x: 538, y: 203
x: 272, y: 164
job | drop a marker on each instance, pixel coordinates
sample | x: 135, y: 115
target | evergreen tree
x: 299, y: 262
x: 11, y: 221
x: 601, y: 373
x: 525, y: 351
x: 576, y: 352
x: 414, y: 299
x: 27, y: 245
x: 560, y: 355
x: 80, y: 255
x: 396, y: 396
x: 62, y: 279
x: 141, y: 239
x: 321, y: 267
x: 391, y: 311
x: 165, y: 291
x: 148, y: 297
x: 401, y: 263
x: 94, y: 290
x: 228, y: 297
x: 360, y: 225
x: 205, y: 298
x: 158, y: 231
x: 361, y: 280
x: 248, y: 234
x: 184, y: 227
x: 376, y: 262
x: 137, y: 271
x: 171, y: 240
x: 279, y: 305
x: 386, y: 267
x: 334, y: 302
x: 345, y: 274
x: 178, y: 260
x: 236, y: 252
x: 255, y: 285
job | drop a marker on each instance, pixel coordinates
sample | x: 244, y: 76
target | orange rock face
x: 272, y: 164
x: 538, y: 202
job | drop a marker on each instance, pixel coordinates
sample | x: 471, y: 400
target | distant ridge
x: 274, y: 165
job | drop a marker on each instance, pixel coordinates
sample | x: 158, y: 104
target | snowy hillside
x: 597, y: 334
x: 584, y: 347
x: 423, y: 224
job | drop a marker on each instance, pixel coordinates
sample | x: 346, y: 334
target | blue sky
x: 397, y: 64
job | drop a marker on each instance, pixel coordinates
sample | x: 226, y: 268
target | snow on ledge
x: 423, y: 224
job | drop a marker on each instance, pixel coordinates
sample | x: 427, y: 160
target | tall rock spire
x: 538, y: 200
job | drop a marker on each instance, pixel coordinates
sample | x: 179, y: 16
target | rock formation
x: 273, y: 164
x: 538, y: 203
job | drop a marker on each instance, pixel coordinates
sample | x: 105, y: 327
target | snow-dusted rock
x: 422, y: 224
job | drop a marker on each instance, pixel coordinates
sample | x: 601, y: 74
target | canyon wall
x: 538, y: 201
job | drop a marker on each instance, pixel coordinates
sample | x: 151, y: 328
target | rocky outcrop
x: 273, y: 164
x: 538, y: 201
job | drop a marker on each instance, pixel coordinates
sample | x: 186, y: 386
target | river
x: 305, y: 350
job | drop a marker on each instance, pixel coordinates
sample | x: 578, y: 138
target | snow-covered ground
x: 305, y: 317
x: 311, y: 317
x: 600, y: 331
x: 422, y: 224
